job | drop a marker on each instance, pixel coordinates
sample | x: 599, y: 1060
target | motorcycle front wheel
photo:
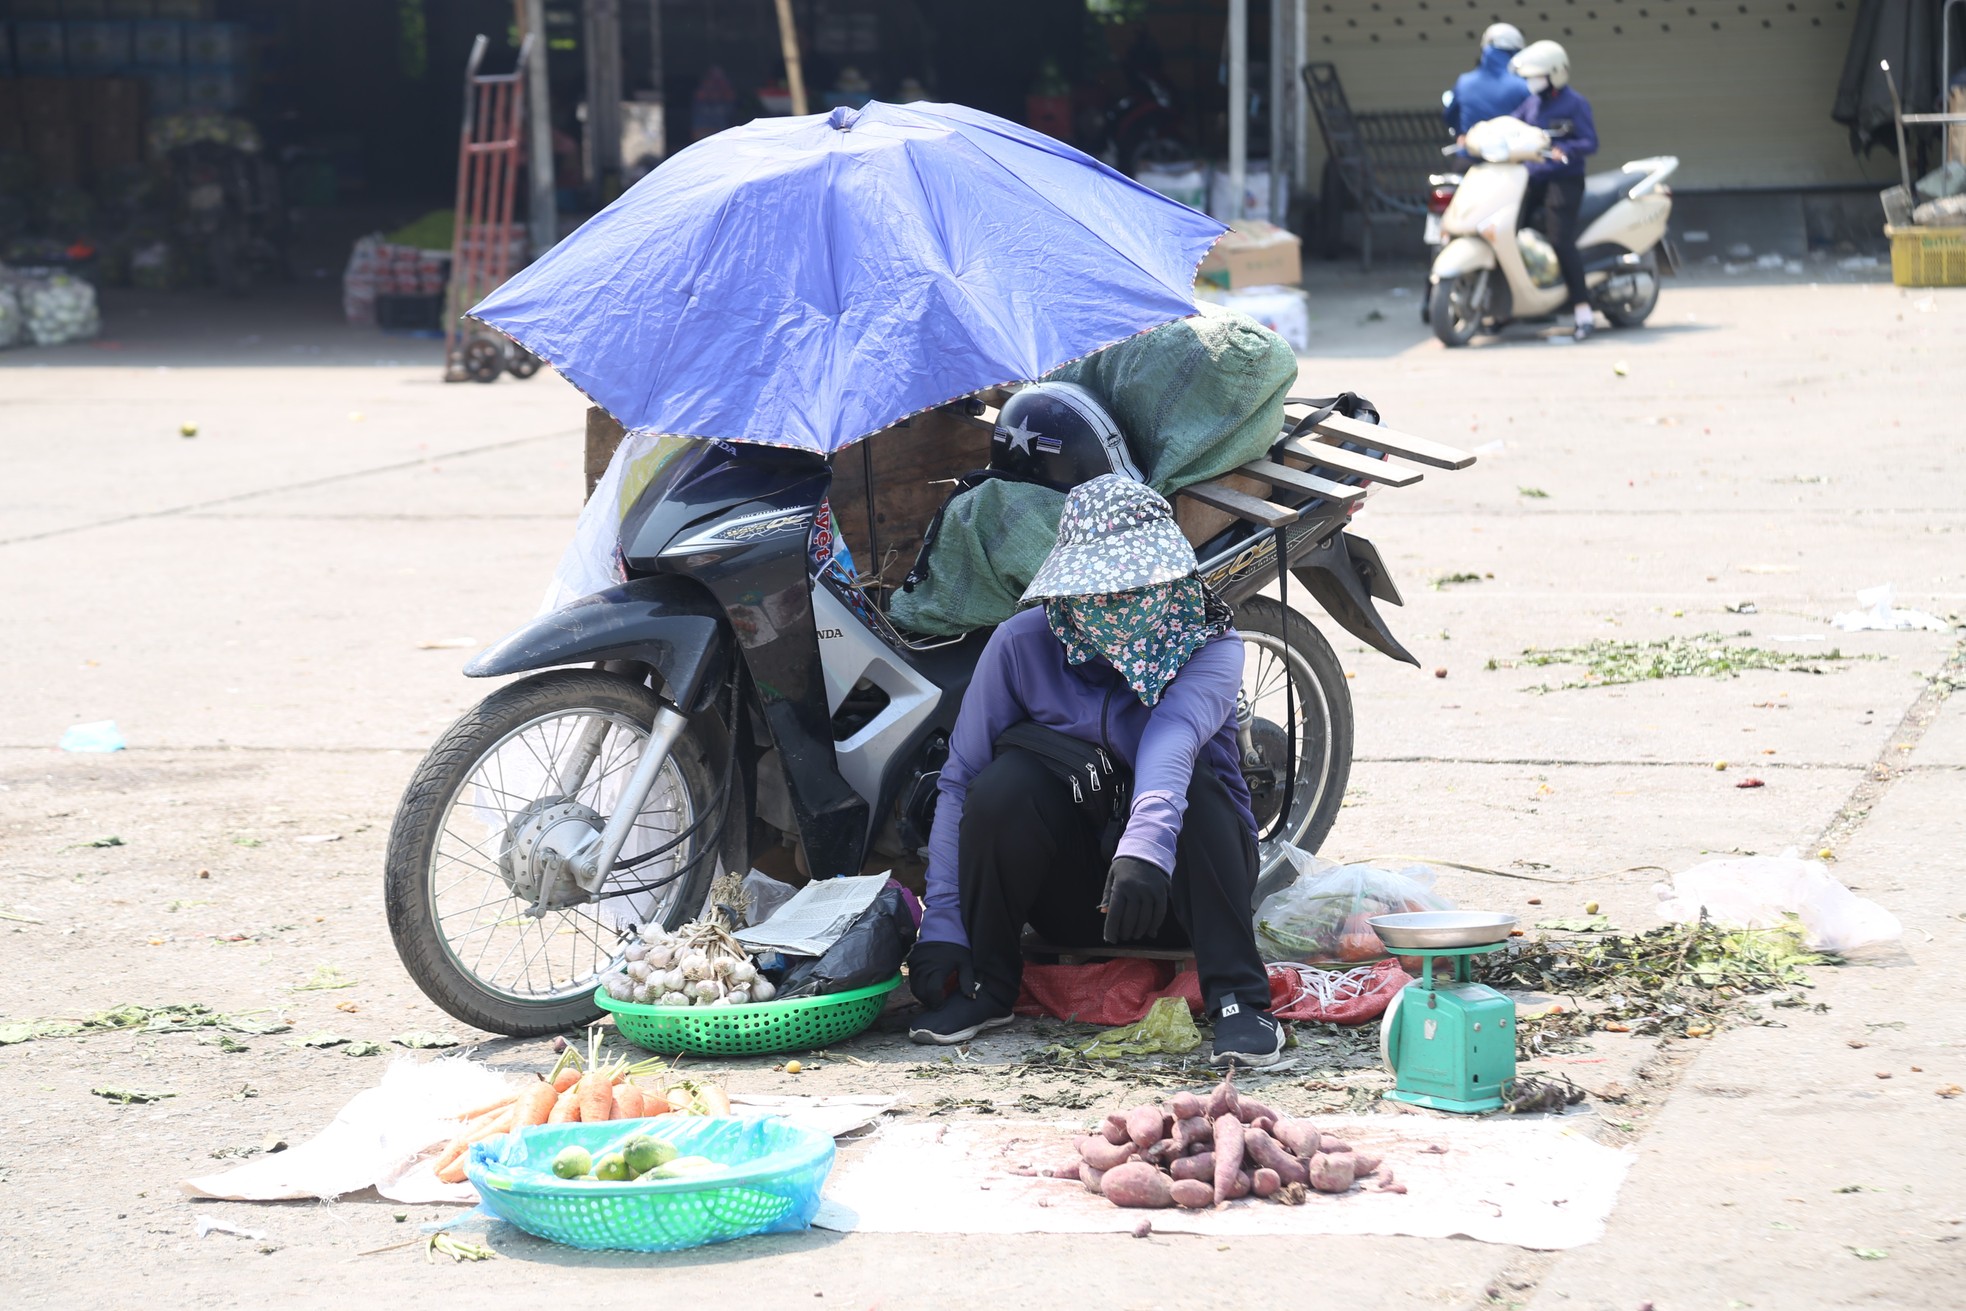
x: 470, y: 881
x: 1280, y: 646
x: 1452, y: 310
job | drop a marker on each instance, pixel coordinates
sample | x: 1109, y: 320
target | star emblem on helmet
x: 1019, y: 437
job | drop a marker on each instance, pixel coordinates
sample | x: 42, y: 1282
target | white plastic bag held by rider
x: 1759, y: 892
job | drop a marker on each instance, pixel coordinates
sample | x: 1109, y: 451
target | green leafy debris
x: 177, y: 1017
x: 131, y: 1096
x: 1167, y: 1029
x: 1666, y: 981
x: 362, y: 1049
x: 326, y: 978
x: 425, y: 1039
x: 1533, y: 493
x: 1448, y: 580
x: 1608, y: 663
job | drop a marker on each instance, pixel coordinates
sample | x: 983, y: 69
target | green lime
x: 612, y: 1168
x: 644, y: 1153
x: 572, y: 1162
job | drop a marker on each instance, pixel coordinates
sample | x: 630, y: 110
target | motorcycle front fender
x: 1462, y: 256
x: 671, y: 624
x: 1344, y: 574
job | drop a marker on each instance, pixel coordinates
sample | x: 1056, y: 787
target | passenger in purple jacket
x: 1132, y: 653
x: 1556, y: 184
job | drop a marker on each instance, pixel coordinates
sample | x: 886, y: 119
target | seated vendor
x: 1131, y: 652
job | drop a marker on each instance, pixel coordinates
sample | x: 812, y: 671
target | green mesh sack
x: 992, y: 540
x: 1195, y: 398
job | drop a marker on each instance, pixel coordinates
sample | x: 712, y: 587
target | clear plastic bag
x: 1761, y: 892
x: 1323, y: 918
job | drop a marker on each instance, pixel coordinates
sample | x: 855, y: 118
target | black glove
x: 1136, y: 899
x: 936, y: 969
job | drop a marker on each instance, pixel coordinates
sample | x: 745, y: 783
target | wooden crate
x: 111, y: 114
x: 52, y: 133
x: 912, y: 465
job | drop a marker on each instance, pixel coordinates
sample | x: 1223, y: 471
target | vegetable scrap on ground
x: 1609, y: 663
x: 1681, y: 980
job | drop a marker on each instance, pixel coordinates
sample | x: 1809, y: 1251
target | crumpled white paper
x: 1877, y: 615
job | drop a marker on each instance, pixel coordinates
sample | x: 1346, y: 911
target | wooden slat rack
x: 1324, y: 449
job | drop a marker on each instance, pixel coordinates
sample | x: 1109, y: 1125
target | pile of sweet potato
x: 1195, y: 1152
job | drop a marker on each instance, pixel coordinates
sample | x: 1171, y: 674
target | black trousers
x: 1557, y: 200
x: 1029, y: 856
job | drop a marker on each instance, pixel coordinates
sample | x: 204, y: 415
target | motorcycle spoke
x: 493, y: 934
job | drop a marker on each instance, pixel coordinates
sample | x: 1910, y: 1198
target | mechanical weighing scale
x: 1450, y: 1044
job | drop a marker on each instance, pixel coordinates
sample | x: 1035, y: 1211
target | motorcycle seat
x: 1603, y: 190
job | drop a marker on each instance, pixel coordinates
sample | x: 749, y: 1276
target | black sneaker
x: 1248, y: 1038
x: 959, y: 1019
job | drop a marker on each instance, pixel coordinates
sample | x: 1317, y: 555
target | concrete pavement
x: 249, y: 605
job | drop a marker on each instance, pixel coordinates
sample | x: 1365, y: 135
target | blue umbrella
x: 808, y: 281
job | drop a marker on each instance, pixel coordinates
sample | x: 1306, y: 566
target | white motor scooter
x: 1492, y: 272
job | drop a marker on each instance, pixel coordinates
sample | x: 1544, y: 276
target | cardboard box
x: 1254, y: 254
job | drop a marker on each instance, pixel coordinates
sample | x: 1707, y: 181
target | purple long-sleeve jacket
x: 1566, y: 116
x: 1023, y: 674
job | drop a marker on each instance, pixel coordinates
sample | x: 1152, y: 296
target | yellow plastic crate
x: 1928, y: 257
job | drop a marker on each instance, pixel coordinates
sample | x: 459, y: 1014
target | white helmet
x: 1502, y: 36
x: 1544, y: 59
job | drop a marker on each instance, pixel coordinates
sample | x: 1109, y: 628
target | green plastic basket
x: 778, y: 1170
x: 756, y: 1029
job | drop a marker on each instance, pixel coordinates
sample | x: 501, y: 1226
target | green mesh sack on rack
x: 1195, y: 399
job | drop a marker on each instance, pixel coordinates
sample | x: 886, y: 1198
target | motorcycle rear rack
x: 1307, y: 470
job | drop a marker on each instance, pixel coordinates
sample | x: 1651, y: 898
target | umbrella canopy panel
x: 808, y: 281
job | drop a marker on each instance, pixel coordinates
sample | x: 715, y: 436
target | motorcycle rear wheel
x: 1452, y: 311
x: 1631, y: 311
x: 1273, y: 643
x: 472, y: 943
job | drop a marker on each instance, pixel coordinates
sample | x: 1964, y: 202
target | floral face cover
x: 1146, y: 635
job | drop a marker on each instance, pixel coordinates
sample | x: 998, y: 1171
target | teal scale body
x: 1451, y: 1045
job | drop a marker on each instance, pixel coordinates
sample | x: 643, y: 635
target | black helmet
x: 1059, y: 434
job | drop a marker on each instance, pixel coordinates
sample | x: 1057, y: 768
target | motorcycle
x: 1492, y: 272
x: 1440, y: 194
x: 742, y: 688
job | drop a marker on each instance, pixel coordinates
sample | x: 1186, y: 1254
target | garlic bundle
x: 699, y: 964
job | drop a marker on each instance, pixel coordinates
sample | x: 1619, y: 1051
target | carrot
x: 654, y: 1103
x: 536, y: 1103
x: 715, y: 1100
x: 596, y: 1094
x: 566, y: 1079
x: 450, y: 1165
x: 479, y: 1112
x: 566, y: 1108
x: 628, y: 1101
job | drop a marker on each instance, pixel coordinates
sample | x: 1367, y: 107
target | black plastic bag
x: 869, y: 952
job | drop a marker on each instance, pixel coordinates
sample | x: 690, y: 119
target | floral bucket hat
x: 1115, y: 535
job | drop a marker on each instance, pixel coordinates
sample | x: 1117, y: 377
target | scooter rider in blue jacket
x: 1556, y: 184
x: 1488, y: 90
